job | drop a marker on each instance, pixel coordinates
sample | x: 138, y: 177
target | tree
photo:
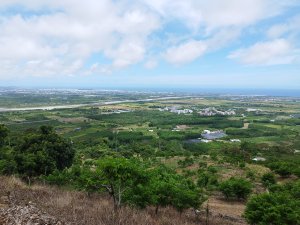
x: 186, y: 196
x: 236, y: 188
x: 3, y: 134
x: 42, y: 152
x: 284, y: 169
x: 119, y: 175
x: 207, y: 180
x: 268, y: 179
x: 171, y: 189
x: 7, y: 163
x: 273, y: 208
x: 163, y: 187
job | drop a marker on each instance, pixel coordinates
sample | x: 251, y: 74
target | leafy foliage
x: 42, y: 152
x: 236, y: 188
x: 279, y: 207
x: 3, y: 134
x: 268, y: 179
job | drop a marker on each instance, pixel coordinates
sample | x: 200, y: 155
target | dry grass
x: 77, y: 208
x: 259, y: 170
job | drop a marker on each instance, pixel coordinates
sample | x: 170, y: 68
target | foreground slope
x: 40, y: 204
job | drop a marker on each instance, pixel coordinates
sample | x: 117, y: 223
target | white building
x: 257, y: 159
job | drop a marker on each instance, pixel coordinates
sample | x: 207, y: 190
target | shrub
x: 236, y: 188
x: 250, y: 174
x: 273, y: 208
x: 282, y: 168
x: 268, y: 179
x: 207, y: 180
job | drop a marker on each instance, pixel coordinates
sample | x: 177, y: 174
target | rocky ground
x: 28, y: 214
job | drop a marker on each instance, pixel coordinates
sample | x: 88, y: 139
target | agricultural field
x: 207, y: 139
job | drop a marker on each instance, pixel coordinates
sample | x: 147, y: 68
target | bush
x: 273, y: 208
x: 207, y: 180
x: 268, y: 179
x: 282, y: 168
x: 236, y: 188
x: 250, y: 174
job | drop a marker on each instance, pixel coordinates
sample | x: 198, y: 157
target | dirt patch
x: 182, y: 127
x: 246, y: 126
x: 230, y: 208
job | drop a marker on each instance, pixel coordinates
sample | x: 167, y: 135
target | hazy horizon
x: 187, y: 90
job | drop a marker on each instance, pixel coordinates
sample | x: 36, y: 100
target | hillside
x: 38, y: 204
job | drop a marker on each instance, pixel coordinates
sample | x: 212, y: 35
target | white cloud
x: 72, y: 32
x: 291, y: 27
x: 129, y: 52
x: 58, y: 37
x: 185, y: 52
x: 278, y: 51
x: 219, y: 13
x: 151, y: 64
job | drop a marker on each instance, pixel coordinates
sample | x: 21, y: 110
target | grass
x: 78, y: 208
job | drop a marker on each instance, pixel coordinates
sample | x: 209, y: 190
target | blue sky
x: 150, y: 43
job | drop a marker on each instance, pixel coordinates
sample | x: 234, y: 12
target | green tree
x: 268, y: 179
x: 7, y: 163
x: 43, y: 152
x: 207, y: 179
x: 273, y: 208
x: 164, y: 188
x: 284, y: 169
x: 236, y: 188
x: 169, y: 188
x: 119, y: 175
x: 186, y: 196
x: 3, y: 134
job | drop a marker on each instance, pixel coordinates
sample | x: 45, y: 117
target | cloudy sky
x: 150, y: 43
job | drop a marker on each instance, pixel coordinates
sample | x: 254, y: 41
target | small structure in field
x: 259, y: 159
x: 212, y: 135
x: 205, y: 140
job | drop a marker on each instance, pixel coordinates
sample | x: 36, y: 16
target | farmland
x: 170, y: 129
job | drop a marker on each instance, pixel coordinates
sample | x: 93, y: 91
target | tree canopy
x: 43, y: 151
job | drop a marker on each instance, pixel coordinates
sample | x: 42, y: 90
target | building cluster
x: 176, y: 110
x: 212, y: 111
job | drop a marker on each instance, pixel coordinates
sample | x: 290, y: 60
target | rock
x: 27, y: 215
x: 4, y: 200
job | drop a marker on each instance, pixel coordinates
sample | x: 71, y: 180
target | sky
x: 150, y: 43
